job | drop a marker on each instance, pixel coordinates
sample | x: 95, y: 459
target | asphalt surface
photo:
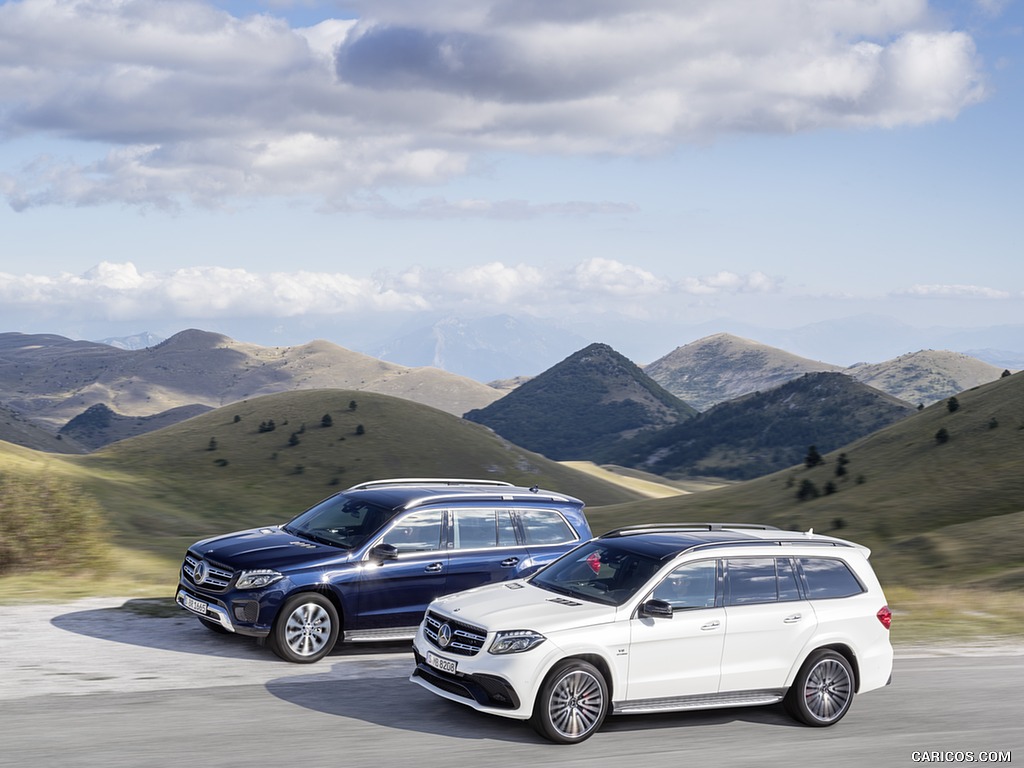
x: 99, y: 683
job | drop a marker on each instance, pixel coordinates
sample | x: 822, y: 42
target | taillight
x: 885, y: 616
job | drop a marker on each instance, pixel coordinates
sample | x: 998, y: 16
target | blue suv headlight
x: 515, y: 641
x: 257, y: 579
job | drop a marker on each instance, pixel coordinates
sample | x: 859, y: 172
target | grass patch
x: 932, y: 616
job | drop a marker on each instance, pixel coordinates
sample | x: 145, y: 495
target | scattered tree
x: 267, y: 426
x: 326, y: 421
x: 351, y: 405
x: 953, y: 405
x: 212, y: 445
x: 813, y: 458
x: 360, y: 430
x: 993, y: 423
x: 293, y: 440
x: 841, y: 463
x: 1005, y: 374
x: 942, y: 436
x: 237, y: 418
x: 808, y: 490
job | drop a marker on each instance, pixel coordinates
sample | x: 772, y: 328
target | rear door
x: 769, y: 623
x: 546, y: 533
x: 483, y: 548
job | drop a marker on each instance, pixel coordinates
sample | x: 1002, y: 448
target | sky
x: 643, y: 173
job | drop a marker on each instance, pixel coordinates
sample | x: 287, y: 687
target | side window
x: 545, y: 526
x: 416, y: 532
x: 482, y: 528
x: 690, y: 586
x: 750, y: 580
x: 827, y: 577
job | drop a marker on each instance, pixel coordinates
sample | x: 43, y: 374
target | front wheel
x: 823, y: 689
x: 572, y: 703
x: 306, y: 629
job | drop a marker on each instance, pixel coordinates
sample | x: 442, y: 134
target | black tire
x: 214, y: 626
x: 572, y: 703
x: 823, y: 690
x: 306, y: 628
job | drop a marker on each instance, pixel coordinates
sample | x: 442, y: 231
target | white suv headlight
x: 257, y: 579
x: 515, y: 641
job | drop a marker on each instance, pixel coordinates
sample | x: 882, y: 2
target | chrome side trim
x: 379, y: 635
x: 703, y: 701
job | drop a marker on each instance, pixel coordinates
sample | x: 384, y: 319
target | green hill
x: 581, y: 407
x: 764, y: 431
x: 935, y: 511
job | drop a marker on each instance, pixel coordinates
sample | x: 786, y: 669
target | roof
x: 404, y: 493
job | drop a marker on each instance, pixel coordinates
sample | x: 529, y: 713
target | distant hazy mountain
x: 135, y: 341
x: 723, y: 367
x: 485, y: 349
x: 766, y: 431
x: 51, y: 379
x: 927, y: 376
x: 582, y: 405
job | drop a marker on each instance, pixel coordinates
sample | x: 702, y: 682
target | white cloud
x: 122, y: 292
x: 195, y: 104
x: 954, y: 291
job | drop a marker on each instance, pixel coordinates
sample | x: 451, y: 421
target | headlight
x: 516, y: 641
x: 257, y: 579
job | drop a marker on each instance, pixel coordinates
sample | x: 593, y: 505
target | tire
x: 572, y: 703
x: 214, y: 626
x: 306, y: 629
x: 823, y: 690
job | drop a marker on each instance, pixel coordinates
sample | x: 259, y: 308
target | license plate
x: 196, y: 606
x: 435, y: 661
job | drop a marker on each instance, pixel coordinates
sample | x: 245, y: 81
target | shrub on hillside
x: 46, y: 524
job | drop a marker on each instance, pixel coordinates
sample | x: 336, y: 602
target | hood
x: 268, y: 547
x: 520, y: 605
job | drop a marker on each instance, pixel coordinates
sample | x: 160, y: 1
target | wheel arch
x: 843, y: 649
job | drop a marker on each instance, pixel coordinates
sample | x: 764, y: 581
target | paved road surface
x: 96, y: 684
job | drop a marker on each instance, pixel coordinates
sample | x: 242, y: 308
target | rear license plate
x: 196, y: 606
x: 435, y: 661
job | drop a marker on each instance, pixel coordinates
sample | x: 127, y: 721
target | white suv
x: 665, y: 618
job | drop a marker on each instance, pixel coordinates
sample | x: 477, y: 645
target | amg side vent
x: 563, y: 601
x: 303, y: 544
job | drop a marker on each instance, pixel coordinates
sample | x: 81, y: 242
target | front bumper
x: 239, y: 617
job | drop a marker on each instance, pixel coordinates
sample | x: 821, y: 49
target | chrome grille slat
x: 466, y: 640
x: 217, y: 578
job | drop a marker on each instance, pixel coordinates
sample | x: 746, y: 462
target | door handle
x: 792, y: 619
x: 434, y: 568
x: 712, y: 625
x: 508, y: 562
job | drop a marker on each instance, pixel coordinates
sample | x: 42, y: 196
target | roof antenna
x: 534, y: 489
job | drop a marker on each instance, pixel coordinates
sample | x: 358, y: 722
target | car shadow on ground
x: 161, y: 624
x: 398, y: 703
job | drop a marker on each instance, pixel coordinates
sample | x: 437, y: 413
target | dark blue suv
x: 362, y: 565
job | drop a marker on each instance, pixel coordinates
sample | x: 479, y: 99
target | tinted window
x: 543, y: 526
x: 751, y: 580
x: 828, y: 578
x: 690, y: 586
x: 482, y: 528
x: 416, y: 532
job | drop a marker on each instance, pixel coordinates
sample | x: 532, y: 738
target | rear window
x: 826, y: 577
x: 545, y: 526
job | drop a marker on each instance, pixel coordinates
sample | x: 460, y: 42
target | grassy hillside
x: 935, y: 512
x: 227, y: 469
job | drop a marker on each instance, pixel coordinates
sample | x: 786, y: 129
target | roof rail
x: 438, y: 481
x: 685, y: 527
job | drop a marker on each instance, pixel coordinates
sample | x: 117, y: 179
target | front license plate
x: 196, y: 606
x: 435, y: 661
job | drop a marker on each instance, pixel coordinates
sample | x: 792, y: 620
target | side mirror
x: 656, y: 609
x: 384, y: 551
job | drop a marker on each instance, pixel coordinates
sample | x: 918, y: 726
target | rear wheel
x: 572, y: 703
x: 823, y: 690
x: 306, y: 629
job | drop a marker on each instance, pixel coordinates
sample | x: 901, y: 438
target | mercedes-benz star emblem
x: 200, y: 572
x: 444, y: 636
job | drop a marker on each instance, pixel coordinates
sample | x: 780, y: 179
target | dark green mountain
x: 765, y: 431
x: 583, y: 406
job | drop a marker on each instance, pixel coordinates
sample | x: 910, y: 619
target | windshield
x: 340, y: 521
x: 598, y: 571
